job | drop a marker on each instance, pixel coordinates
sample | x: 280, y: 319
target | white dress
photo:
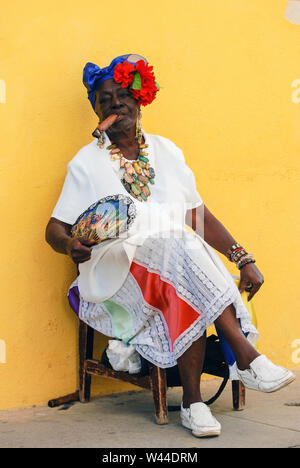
x: 158, y: 288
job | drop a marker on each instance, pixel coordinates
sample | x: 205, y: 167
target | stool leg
x: 238, y: 395
x: 158, y: 381
x: 86, y: 342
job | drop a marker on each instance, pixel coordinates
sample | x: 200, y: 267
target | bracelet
x: 244, y: 260
x: 249, y: 261
x: 235, y: 252
x: 230, y: 251
x: 238, y: 254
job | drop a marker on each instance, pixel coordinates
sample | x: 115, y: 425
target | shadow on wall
x: 292, y: 11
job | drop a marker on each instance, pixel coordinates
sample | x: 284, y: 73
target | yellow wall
x: 226, y: 69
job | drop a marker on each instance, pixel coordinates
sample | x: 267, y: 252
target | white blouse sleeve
x: 192, y: 196
x: 76, y: 196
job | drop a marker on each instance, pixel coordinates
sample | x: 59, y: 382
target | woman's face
x: 113, y: 99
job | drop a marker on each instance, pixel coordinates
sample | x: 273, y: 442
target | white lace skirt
x: 176, y: 289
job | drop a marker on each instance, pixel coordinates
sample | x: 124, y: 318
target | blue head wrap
x: 93, y: 75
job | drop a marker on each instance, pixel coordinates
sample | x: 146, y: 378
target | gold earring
x: 138, y: 132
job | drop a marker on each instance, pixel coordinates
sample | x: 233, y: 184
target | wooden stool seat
x: 156, y: 379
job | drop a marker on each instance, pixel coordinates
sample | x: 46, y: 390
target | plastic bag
x: 123, y: 357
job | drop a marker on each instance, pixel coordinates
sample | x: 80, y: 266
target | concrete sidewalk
x: 126, y: 420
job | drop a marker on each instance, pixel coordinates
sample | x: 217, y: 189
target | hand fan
x: 106, y: 219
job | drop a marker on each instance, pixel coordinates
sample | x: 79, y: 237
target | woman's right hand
x: 79, y: 249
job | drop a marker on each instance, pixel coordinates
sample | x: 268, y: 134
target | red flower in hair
x: 148, y: 90
x: 140, y: 78
x: 123, y: 74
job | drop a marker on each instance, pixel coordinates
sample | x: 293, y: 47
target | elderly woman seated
x: 159, y: 285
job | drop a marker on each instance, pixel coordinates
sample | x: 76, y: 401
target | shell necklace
x: 136, y: 174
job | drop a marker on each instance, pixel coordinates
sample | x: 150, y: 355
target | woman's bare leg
x: 190, y: 364
x: 230, y: 328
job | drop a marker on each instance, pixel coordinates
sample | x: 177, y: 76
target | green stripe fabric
x: 121, y: 320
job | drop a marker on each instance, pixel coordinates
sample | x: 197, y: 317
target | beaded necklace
x: 136, y: 174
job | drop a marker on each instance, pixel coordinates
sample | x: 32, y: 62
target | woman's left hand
x: 250, y: 274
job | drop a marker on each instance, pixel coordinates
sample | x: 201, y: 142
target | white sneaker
x: 199, y: 419
x: 265, y: 376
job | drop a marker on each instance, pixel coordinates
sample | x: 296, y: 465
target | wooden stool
x: 158, y: 379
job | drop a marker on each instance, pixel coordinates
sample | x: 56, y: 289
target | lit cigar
x: 103, y: 126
